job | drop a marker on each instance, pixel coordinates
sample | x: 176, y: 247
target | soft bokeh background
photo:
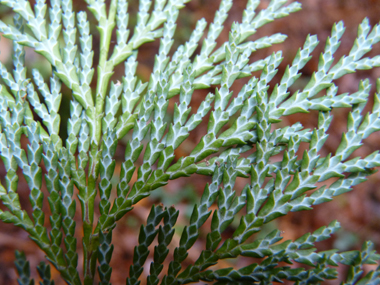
x: 358, y: 211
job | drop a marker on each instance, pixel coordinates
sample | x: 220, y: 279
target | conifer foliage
x: 238, y: 122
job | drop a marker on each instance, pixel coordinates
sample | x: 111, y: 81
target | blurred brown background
x: 358, y: 211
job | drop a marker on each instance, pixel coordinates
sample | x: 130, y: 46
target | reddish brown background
x: 358, y: 211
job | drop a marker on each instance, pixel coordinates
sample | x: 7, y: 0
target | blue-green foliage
x: 84, y: 165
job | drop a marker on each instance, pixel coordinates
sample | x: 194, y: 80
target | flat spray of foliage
x: 83, y: 165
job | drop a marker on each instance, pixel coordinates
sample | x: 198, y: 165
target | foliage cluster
x: 240, y: 141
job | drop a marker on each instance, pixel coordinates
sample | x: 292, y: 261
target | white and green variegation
x: 84, y: 164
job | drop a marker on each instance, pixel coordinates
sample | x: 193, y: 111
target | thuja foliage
x: 82, y: 166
